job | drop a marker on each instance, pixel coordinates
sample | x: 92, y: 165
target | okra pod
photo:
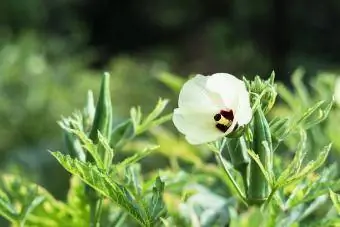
x: 103, y: 117
x: 258, y: 188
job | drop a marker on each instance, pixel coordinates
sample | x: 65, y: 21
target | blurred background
x: 52, y: 52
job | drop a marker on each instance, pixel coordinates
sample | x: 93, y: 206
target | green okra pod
x: 258, y: 188
x: 102, y: 123
x: 103, y: 118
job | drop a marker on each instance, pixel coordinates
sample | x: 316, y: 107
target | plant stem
x: 98, y: 212
x: 96, y: 204
x: 236, y: 187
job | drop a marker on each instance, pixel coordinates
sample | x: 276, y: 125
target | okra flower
x: 210, y: 107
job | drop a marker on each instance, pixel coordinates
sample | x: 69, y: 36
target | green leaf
x: 315, y: 114
x: 151, y: 120
x: 311, y: 166
x: 297, y: 80
x: 156, y: 208
x: 89, y: 146
x: 104, y: 144
x: 136, y: 157
x: 288, y: 96
x: 32, y: 205
x: 122, y: 133
x: 295, y: 165
x: 6, y: 208
x: 136, y: 116
x: 336, y: 200
x: 34, y: 201
x: 160, y: 106
x: 172, y: 81
x: 102, y: 183
x: 280, y: 128
x: 77, y: 200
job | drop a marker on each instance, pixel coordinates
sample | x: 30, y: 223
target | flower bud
x: 263, y: 89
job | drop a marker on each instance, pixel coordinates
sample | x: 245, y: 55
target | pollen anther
x: 224, y: 120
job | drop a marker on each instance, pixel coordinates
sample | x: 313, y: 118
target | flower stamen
x: 224, y: 120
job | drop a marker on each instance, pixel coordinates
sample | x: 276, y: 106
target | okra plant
x: 234, y: 163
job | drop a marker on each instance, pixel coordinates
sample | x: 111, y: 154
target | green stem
x: 98, y: 212
x: 239, y: 157
x: 96, y: 204
x: 235, y: 185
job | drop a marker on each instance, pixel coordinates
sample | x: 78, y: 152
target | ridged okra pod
x: 102, y: 123
x: 103, y: 116
x: 258, y: 188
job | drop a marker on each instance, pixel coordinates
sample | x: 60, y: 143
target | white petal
x: 227, y: 86
x: 195, y: 96
x: 243, y: 113
x: 198, y: 127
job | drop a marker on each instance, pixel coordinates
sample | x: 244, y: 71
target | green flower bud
x: 265, y: 90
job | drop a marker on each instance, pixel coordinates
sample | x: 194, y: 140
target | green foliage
x: 27, y: 204
x: 189, y: 188
x: 39, y: 80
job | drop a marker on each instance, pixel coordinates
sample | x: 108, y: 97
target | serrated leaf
x: 315, y: 114
x: 336, y: 200
x: 160, y: 106
x: 156, y: 206
x: 136, y: 157
x: 310, y: 113
x: 121, y: 133
x: 107, y: 150
x: 151, y: 120
x: 85, y: 141
x: 102, y: 183
x: 133, y: 176
x: 323, y: 114
x: 295, y: 165
x: 311, y: 166
x: 89, y: 146
x: 36, y: 206
x: 280, y: 128
x: 314, y: 206
x: 6, y: 208
x: 28, y: 207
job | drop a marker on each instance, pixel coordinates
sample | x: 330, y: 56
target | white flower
x: 211, y: 107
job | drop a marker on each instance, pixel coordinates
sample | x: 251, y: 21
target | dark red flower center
x: 224, y: 120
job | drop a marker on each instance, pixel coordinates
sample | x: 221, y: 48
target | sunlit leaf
x: 295, y: 165
x: 311, y: 166
x: 336, y: 200
x: 102, y: 183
